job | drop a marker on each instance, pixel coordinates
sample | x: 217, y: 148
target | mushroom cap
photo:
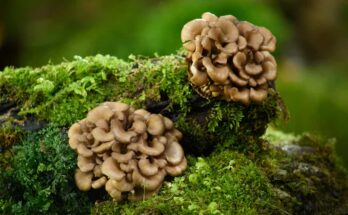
x: 148, y: 183
x: 120, y: 134
x: 103, y: 124
x: 74, y: 142
x: 147, y: 168
x: 74, y: 130
x: 124, y: 150
x: 142, y: 114
x: 111, y: 169
x: 198, y: 77
x: 85, y: 164
x: 99, y: 183
x: 99, y: 134
x: 168, y: 124
x: 155, y: 125
x: 138, y: 126
x: 122, y: 185
x: 100, y: 112
x: 258, y: 95
x: 156, y: 149
x: 177, y: 169
x: 113, y: 192
x: 97, y: 171
x: 84, y: 151
x: 83, y: 180
x: 227, y: 60
x: 106, y: 146
x: 123, y: 158
x: 116, y: 106
x: 192, y: 29
x: 129, y: 167
x: 174, y: 153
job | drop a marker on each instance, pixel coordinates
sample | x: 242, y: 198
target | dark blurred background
x: 312, y: 47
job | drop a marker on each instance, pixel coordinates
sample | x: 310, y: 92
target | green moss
x: 223, y: 183
x: 40, y: 177
x: 62, y: 94
x: 9, y: 135
x: 238, y: 171
x: 306, y: 168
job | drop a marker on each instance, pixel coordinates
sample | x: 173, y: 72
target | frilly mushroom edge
x: 229, y: 59
x: 127, y: 151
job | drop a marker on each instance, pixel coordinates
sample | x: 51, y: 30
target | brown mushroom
x: 217, y: 74
x: 155, y: 125
x: 99, y: 183
x: 155, y: 149
x: 85, y: 164
x: 83, y: 180
x: 192, y: 29
x: 147, y: 168
x: 111, y: 169
x: 125, y: 151
x: 102, y: 136
x: 122, y: 185
x: 123, y: 158
x: 100, y: 112
x: 148, y: 183
x: 120, y: 134
x: 117, y: 106
x: 174, y: 153
x: 198, y: 77
x: 84, y: 151
x: 177, y: 169
x: 106, y: 146
x: 229, y: 59
x: 138, y: 126
x: 113, y: 192
x: 129, y: 167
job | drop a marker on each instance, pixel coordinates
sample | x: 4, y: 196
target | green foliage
x: 223, y: 183
x: 9, y: 135
x: 64, y: 93
x: 229, y: 114
x: 40, y: 180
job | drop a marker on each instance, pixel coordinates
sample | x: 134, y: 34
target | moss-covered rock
x: 62, y: 94
x: 233, y: 169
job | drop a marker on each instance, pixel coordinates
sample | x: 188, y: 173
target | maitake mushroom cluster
x: 229, y: 59
x: 128, y: 151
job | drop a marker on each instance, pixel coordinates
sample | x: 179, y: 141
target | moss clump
x: 223, y: 183
x: 62, y: 94
x: 9, y: 135
x: 306, y: 171
x: 238, y: 171
x: 40, y: 177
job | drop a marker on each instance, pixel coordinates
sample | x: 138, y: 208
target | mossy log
x: 233, y: 167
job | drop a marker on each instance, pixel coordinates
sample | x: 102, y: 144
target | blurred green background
x: 312, y: 47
